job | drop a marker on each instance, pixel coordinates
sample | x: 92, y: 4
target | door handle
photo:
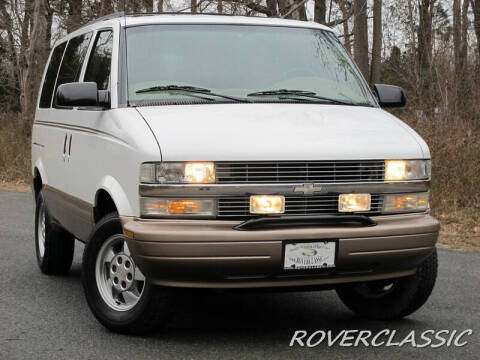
x: 69, y: 147
x: 65, y: 147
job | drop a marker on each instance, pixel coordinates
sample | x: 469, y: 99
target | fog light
x: 155, y: 207
x: 405, y: 202
x: 267, y: 204
x: 354, y: 202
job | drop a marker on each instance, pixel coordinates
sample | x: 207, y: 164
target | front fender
x: 117, y: 193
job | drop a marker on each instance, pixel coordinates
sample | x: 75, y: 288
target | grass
x: 455, y: 193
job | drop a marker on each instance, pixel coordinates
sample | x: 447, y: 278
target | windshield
x: 239, y: 61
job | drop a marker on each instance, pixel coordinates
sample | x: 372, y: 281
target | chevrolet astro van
x: 221, y: 152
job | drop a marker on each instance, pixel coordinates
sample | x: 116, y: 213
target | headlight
x: 178, y: 173
x: 395, y: 203
x: 399, y: 170
x: 161, y: 207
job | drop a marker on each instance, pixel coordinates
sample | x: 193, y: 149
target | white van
x: 226, y: 152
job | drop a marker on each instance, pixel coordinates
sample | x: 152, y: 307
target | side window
x: 73, y: 59
x: 51, y: 76
x: 98, y: 69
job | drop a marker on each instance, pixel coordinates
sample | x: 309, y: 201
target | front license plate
x: 310, y: 255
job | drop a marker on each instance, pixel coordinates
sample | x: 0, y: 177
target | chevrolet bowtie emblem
x: 309, y: 189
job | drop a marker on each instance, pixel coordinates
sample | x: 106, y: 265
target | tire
x: 376, y: 300
x: 54, y: 247
x: 145, y: 309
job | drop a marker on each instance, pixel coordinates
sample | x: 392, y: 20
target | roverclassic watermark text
x: 385, y: 337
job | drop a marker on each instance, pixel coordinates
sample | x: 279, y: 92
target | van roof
x: 133, y: 19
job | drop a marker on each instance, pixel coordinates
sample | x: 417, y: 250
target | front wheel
x: 118, y: 294
x: 393, y: 298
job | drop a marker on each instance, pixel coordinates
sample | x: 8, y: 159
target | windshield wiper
x: 189, y: 90
x: 294, y: 94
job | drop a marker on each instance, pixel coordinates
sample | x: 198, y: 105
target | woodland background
x: 429, y: 47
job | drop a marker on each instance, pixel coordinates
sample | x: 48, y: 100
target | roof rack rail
x: 186, y: 13
x: 114, y: 15
x: 132, y: 14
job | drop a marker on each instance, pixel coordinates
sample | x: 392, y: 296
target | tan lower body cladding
x: 209, y: 253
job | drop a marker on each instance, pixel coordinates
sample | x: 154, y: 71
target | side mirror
x: 81, y: 95
x: 390, y: 95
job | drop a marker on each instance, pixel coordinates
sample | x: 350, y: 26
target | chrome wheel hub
x: 122, y: 270
x: 119, y: 282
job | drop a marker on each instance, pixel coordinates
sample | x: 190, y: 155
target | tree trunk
x: 160, y: 6
x: 320, y: 11
x: 12, y: 56
x: 460, y: 33
x: 283, y: 7
x: 425, y: 34
x: 148, y: 4
x: 272, y: 7
x: 457, y: 35
x: 424, y: 54
x: 476, y: 26
x: 464, y: 45
x: 377, y: 42
x: 74, y: 19
x: 193, y: 6
x: 106, y: 7
x: 360, y: 33
x: 302, y: 11
x: 36, y: 58
x: 347, y: 42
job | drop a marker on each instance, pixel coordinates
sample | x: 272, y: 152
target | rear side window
x: 98, y: 69
x: 73, y: 59
x: 51, y: 75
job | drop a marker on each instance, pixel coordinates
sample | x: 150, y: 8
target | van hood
x: 251, y: 132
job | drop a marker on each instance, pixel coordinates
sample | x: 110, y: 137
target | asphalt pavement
x: 47, y: 317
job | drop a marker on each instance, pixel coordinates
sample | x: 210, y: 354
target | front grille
x: 300, y: 172
x: 239, y: 207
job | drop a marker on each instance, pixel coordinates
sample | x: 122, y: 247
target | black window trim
x: 91, y: 31
x: 92, y: 49
x: 55, y: 46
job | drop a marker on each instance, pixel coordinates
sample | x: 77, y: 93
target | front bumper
x: 210, y: 254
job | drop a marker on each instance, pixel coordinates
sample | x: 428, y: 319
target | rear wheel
x: 118, y: 294
x: 393, y: 298
x: 54, y: 247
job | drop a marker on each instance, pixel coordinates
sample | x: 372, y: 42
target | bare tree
x: 425, y: 33
x: 74, y: 19
x: 360, y: 33
x: 320, y: 11
x: 476, y: 26
x: 106, y: 7
x: 35, y: 60
x: 148, y: 5
x: 460, y: 44
x: 345, y: 8
x: 377, y: 42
